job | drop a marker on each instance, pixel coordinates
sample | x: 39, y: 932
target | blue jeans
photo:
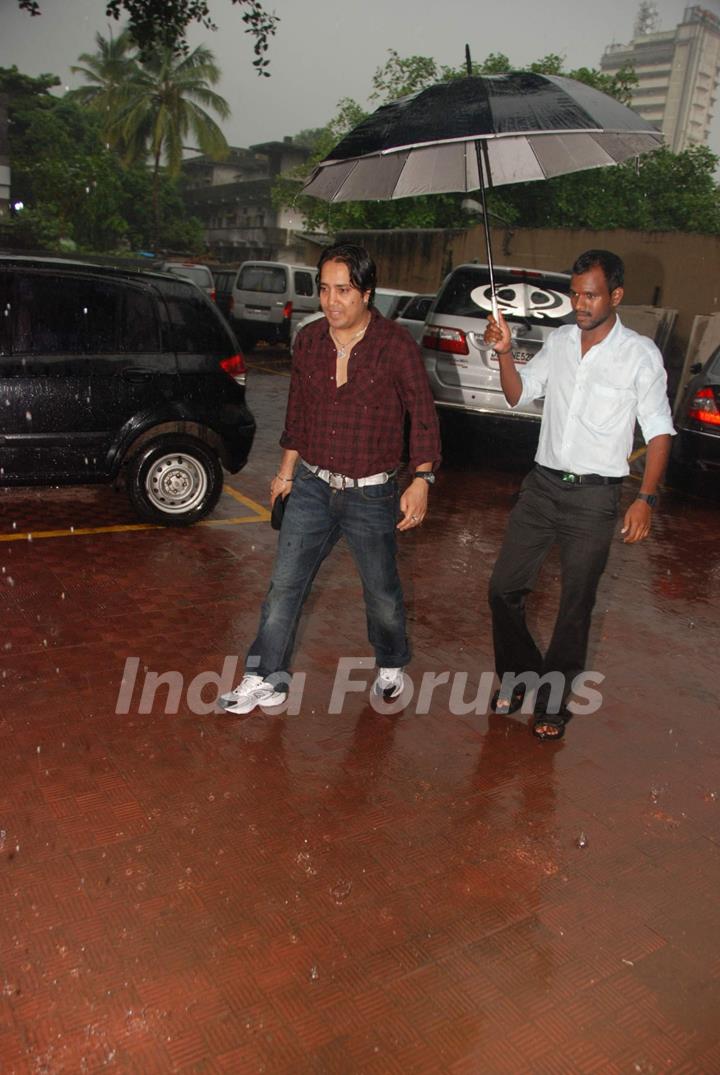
x: 316, y: 517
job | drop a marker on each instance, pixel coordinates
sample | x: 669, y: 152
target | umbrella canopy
x: 478, y: 132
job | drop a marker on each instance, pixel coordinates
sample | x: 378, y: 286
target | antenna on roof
x: 647, y: 18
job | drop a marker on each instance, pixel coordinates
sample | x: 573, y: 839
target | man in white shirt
x: 597, y: 377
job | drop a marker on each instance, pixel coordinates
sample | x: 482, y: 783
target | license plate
x: 520, y: 357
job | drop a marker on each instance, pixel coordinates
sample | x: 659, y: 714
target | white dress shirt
x: 592, y: 402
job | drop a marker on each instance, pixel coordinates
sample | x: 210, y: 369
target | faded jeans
x: 316, y: 517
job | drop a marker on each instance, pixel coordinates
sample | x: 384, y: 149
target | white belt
x: 341, y: 481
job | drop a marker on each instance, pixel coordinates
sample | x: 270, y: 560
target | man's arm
x: 413, y: 387
x: 636, y: 524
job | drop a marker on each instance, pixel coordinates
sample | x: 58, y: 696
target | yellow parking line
x: 261, y: 516
x: 268, y: 369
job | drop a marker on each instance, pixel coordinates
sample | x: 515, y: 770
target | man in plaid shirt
x: 355, y: 377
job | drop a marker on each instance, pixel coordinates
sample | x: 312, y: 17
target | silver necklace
x: 342, y: 348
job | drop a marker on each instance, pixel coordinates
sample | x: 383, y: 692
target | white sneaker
x: 252, y: 691
x: 389, y: 683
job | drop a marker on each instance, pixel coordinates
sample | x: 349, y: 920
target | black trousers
x: 581, y: 520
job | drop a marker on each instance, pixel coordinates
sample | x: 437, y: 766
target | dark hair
x: 611, y: 265
x: 360, y: 266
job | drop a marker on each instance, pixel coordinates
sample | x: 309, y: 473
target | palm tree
x: 150, y: 106
x: 107, y: 71
x: 164, y: 100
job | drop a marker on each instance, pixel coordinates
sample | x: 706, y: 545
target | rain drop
x: 314, y: 974
x: 582, y: 840
x: 341, y: 891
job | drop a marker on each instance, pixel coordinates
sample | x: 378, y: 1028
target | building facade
x: 677, y: 72
x: 233, y: 199
x: 4, y: 159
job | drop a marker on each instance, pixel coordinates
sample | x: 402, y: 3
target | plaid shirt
x: 358, y: 429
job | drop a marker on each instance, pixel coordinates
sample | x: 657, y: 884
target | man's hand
x: 413, y: 504
x: 497, y: 334
x: 278, y: 487
x: 636, y: 524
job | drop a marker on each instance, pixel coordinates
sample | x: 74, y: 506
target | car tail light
x: 703, y: 407
x: 234, y: 367
x: 450, y: 340
x: 287, y: 311
x: 213, y: 295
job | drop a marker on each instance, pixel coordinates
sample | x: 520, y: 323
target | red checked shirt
x: 358, y: 429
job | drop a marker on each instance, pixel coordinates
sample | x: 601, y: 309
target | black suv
x: 106, y: 371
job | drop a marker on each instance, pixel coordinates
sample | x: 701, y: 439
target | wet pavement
x: 340, y: 890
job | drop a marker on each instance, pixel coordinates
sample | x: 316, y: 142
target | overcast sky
x: 328, y: 49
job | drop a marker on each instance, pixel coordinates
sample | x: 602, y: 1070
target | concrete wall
x: 669, y: 269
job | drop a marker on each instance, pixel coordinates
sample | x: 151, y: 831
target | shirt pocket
x: 608, y: 407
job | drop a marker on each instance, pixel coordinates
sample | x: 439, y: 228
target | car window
x: 390, y: 305
x: 194, y: 326
x: 224, y: 280
x: 73, y: 315
x: 416, y: 309
x: 270, y: 278
x: 303, y: 283
x: 467, y: 293
x: 197, y: 273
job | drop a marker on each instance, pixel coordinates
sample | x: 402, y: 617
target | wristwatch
x: 426, y: 475
x: 649, y: 498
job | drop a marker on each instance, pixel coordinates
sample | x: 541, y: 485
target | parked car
x: 270, y: 298
x: 464, y: 373
x: 224, y: 280
x: 414, y: 314
x: 389, y: 301
x: 108, y: 372
x: 199, y: 274
x: 697, y: 445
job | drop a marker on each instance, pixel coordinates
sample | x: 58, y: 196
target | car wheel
x: 174, y: 481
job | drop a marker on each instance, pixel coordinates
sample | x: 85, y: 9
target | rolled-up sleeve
x: 653, y: 411
x: 414, y: 390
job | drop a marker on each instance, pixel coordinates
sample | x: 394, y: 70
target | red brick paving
x: 349, y: 893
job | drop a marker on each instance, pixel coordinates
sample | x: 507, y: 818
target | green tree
x: 664, y: 191
x: 75, y: 191
x: 107, y: 73
x: 150, y: 106
x: 154, y: 24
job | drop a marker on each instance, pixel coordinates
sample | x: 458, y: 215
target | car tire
x: 174, y: 480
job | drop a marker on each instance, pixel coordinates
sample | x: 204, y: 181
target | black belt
x: 580, y: 479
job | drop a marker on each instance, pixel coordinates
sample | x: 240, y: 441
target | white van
x: 270, y: 298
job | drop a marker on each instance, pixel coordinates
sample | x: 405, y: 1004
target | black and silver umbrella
x: 478, y: 132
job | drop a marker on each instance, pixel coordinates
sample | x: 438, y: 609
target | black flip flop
x: 557, y: 721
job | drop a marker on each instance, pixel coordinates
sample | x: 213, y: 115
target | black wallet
x: 278, y: 510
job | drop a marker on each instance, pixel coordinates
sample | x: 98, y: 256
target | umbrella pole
x: 484, y: 169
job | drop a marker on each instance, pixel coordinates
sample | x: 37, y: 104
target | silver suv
x: 464, y: 373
